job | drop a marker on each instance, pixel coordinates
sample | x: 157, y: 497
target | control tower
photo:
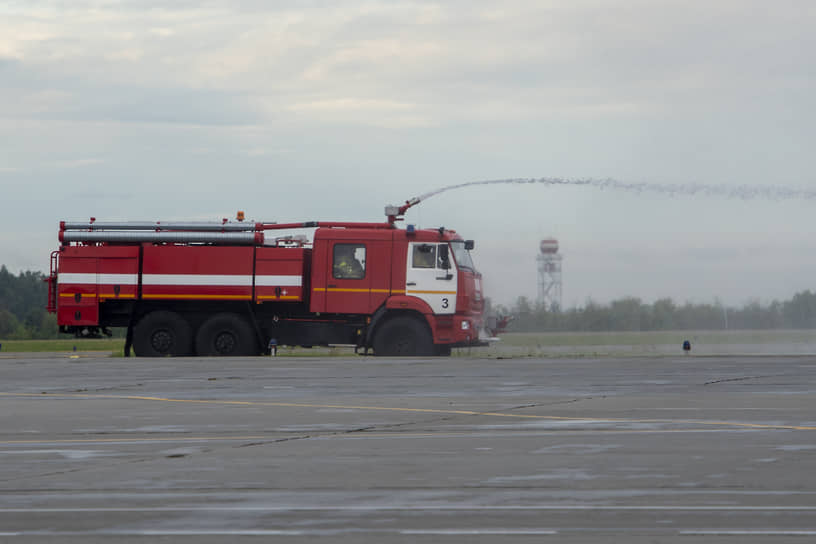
x: 549, y: 275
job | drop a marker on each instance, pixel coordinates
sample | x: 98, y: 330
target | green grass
x: 111, y: 345
x: 532, y: 339
x: 116, y: 347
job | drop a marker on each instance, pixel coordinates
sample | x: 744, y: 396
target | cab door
x: 432, y: 276
x: 348, y: 279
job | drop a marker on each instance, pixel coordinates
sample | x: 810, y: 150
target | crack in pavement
x: 724, y: 380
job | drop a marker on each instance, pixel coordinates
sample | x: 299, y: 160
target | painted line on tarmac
x: 737, y: 424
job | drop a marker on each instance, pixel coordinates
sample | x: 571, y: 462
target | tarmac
x: 363, y: 449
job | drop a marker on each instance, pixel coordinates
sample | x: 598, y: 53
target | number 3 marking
x: 444, y: 303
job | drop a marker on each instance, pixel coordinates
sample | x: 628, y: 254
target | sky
x: 317, y: 110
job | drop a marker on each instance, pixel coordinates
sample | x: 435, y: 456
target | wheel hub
x: 225, y: 342
x: 162, y: 340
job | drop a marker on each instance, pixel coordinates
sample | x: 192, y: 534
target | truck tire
x: 162, y: 334
x: 226, y: 335
x: 403, y: 337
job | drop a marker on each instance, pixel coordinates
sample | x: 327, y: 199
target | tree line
x: 23, y: 315
x: 632, y: 314
x: 22, y: 306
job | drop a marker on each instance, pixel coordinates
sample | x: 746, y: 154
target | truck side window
x: 424, y: 256
x: 348, y: 262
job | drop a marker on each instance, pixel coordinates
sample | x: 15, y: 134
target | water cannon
x: 395, y: 213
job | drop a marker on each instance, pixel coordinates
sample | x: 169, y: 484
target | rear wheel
x: 403, y: 337
x: 226, y: 335
x: 162, y: 334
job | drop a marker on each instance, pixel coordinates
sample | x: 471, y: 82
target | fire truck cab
x: 192, y: 289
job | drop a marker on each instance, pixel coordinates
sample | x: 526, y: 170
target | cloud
x: 35, y: 95
x: 78, y: 163
x: 533, y: 60
x: 263, y: 152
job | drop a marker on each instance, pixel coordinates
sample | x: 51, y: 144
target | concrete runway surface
x: 357, y: 449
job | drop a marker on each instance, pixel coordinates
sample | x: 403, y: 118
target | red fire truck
x: 234, y: 288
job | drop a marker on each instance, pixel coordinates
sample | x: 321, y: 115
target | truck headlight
x: 465, y: 325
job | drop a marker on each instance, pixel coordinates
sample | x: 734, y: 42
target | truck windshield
x: 462, y: 256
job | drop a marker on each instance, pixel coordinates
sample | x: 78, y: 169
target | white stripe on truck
x: 182, y: 279
x: 118, y: 279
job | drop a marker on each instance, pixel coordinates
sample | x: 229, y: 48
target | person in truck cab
x: 346, y: 266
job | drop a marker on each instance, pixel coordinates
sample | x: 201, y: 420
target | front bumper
x: 469, y: 331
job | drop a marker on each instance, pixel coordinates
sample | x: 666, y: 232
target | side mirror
x: 469, y: 245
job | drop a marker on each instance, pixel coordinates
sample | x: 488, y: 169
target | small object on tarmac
x: 686, y: 346
x: 273, y: 347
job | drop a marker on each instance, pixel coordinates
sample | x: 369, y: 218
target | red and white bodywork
x: 186, y: 289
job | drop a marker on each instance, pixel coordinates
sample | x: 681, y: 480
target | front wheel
x: 226, y: 335
x: 403, y: 337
